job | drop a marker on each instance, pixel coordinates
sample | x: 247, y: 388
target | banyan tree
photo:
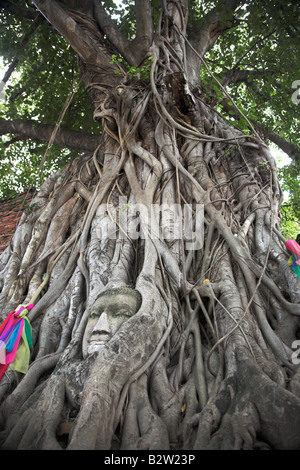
x: 162, y: 309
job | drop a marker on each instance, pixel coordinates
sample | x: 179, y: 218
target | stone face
x: 108, y: 313
x: 11, y: 210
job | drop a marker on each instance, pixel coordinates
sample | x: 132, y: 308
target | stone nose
x: 102, y: 325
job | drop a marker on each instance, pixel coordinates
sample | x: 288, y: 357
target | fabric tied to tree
x: 294, y: 248
x: 15, y: 341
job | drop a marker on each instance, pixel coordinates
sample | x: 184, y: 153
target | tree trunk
x: 206, y: 361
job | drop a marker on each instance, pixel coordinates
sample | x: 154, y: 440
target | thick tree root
x: 206, y: 361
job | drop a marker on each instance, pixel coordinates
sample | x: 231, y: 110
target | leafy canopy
x: 256, y: 59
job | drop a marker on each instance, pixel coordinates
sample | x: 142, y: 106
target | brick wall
x: 10, y: 213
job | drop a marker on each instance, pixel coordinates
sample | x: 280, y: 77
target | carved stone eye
x: 123, y: 312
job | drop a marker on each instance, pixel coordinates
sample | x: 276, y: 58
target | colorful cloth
x: 16, y: 339
x: 294, y: 248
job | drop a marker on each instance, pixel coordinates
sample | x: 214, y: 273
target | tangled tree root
x: 206, y: 361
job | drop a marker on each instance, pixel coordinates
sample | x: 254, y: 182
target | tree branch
x: 66, y: 138
x: 38, y: 19
x: 85, y: 6
x: 133, y: 51
x: 287, y: 147
x: 112, y: 32
x: 144, y: 29
x: 17, y: 10
x: 238, y: 76
x: 78, y: 39
x: 206, y: 31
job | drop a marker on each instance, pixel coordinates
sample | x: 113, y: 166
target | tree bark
x: 207, y: 360
x: 64, y: 137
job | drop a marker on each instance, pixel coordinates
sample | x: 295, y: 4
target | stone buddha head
x: 109, y: 311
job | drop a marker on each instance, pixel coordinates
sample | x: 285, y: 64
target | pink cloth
x: 7, y: 324
x: 22, y: 307
x: 293, y: 246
